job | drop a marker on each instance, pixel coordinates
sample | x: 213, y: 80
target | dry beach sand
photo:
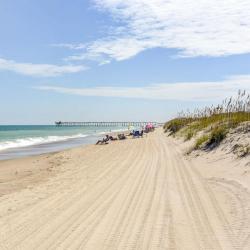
x: 133, y: 194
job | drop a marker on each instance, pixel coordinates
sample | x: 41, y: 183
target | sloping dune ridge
x: 132, y: 194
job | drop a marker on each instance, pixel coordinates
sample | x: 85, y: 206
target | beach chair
x: 121, y: 137
x: 103, y: 141
x: 136, y: 134
x: 141, y: 134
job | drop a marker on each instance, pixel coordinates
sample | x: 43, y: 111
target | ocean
x: 24, y: 140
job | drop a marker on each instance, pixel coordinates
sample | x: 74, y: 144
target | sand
x: 133, y: 194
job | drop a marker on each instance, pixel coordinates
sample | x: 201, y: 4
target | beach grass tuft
x: 201, y: 141
x: 216, y: 121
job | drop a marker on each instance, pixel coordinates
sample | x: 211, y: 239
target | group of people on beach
x: 107, y: 138
x: 134, y: 133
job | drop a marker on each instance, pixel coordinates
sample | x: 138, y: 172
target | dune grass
x: 217, y: 135
x: 216, y: 121
x: 192, y: 126
x: 176, y: 124
x: 201, y: 141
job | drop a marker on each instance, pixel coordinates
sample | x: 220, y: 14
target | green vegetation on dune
x: 200, y: 141
x: 176, y: 124
x: 217, y: 135
x: 212, y: 122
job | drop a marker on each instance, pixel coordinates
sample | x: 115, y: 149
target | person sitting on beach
x: 141, y: 134
x: 112, y: 138
x: 130, y: 133
x: 103, y: 141
x: 121, y: 136
x: 136, y: 134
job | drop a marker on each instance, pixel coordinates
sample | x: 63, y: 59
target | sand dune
x: 133, y: 194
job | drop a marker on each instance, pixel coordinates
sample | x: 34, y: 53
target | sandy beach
x: 133, y: 194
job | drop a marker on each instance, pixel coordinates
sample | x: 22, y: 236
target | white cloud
x: 183, y: 91
x: 195, y: 27
x: 69, y: 46
x: 44, y: 70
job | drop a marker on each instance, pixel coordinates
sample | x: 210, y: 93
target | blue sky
x: 119, y: 60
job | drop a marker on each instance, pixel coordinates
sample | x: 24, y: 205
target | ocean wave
x: 31, y: 141
x: 112, y: 131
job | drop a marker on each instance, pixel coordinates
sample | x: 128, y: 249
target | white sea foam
x: 31, y: 141
x: 112, y: 131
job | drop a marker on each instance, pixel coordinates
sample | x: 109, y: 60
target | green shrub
x: 176, y: 124
x: 217, y: 135
x: 213, y: 139
x: 201, y: 141
x: 189, y: 135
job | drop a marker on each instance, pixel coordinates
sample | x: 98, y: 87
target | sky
x: 116, y: 60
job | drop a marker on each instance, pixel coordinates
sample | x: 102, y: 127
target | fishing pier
x: 105, y: 124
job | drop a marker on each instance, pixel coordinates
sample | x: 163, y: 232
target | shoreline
x: 53, y: 147
x: 23, y: 171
